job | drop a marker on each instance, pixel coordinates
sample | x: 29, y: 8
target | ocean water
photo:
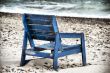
x: 72, y: 8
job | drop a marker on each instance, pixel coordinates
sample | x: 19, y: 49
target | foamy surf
x: 86, y: 9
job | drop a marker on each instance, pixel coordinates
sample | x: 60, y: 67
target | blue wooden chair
x: 44, y: 27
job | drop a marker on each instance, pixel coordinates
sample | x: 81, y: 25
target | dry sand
x: 97, y: 33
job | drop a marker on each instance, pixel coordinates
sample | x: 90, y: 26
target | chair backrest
x: 41, y: 27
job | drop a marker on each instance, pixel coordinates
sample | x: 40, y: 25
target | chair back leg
x: 83, y: 50
x: 23, y: 56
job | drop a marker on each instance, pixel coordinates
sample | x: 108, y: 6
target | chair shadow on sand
x: 46, y: 64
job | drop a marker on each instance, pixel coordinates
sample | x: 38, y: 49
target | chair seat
x: 48, y: 46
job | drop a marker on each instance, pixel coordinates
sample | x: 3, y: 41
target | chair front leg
x: 23, y: 55
x: 55, y: 61
x: 55, y: 52
x: 83, y: 49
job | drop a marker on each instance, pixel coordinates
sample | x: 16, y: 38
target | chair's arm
x: 71, y: 35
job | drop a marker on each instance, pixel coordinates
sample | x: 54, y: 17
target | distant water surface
x: 83, y: 8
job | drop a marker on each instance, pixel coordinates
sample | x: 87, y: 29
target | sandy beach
x: 97, y: 34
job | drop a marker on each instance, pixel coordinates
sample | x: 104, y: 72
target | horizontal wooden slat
x: 70, y: 47
x: 70, y: 35
x: 43, y: 37
x: 39, y: 21
x: 41, y: 32
x: 40, y: 27
x: 43, y: 17
x: 38, y: 53
x: 70, y: 51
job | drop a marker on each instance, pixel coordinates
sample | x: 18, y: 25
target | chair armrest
x: 71, y: 35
